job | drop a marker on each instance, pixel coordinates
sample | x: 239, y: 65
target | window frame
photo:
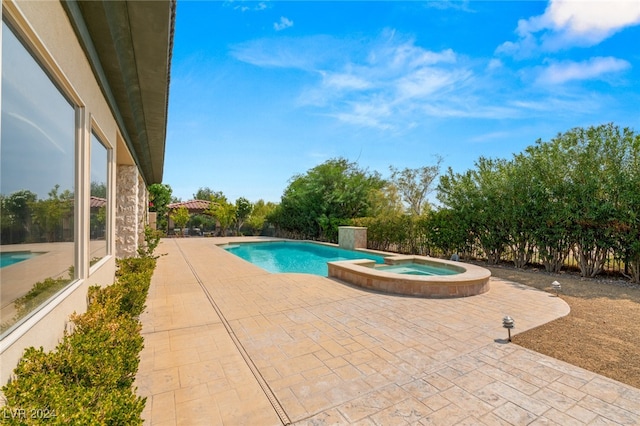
x: 96, y: 130
x: 16, y: 23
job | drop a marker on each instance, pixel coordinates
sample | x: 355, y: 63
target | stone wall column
x: 127, y: 211
x: 143, y: 208
x: 352, y: 237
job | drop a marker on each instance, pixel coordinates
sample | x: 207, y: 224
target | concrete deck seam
x: 162, y: 330
x: 284, y: 418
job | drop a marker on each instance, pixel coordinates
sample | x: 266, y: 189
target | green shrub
x: 103, y: 350
x: 135, y: 264
x: 127, y: 296
x: 88, y: 378
x: 151, y: 241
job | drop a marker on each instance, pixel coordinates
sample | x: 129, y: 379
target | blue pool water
x: 308, y: 258
x: 417, y: 269
x: 9, y: 258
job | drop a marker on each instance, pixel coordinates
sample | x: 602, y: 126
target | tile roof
x: 191, y: 205
x: 97, y: 202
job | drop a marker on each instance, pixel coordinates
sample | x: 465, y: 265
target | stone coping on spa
x: 471, y: 280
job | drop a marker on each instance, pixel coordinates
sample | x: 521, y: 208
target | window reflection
x: 98, y: 212
x: 36, y: 184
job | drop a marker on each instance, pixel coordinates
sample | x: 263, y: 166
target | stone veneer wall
x: 352, y: 237
x: 131, y: 207
x: 143, y: 208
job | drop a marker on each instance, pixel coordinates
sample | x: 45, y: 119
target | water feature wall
x: 352, y: 237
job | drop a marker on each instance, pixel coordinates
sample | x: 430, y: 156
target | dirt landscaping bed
x: 600, y: 334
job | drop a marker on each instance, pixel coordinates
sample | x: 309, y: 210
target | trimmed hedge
x: 88, y: 379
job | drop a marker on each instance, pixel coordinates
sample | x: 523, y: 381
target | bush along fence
x: 571, y: 202
x: 88, y: 378
x: 440, y: 234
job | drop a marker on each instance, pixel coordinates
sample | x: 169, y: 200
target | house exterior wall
x: 45, y: 29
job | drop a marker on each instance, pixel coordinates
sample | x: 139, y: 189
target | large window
x: 98, y: 216
x: 37, y: 175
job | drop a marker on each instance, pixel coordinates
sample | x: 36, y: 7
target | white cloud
x: 469, y: 107
x: 567, y: 23
x: 366, y: 114
x: 283, y: 24
x: 593, y: 19
x: 306, y: 53
x: 575, y: 104
x: 594, y: 68
x: 391, y: 83
x: 391, y: 79
x: 449, y: 4
x: 494, y: 64
x: 247, y: 6
x: 396, y: 52
x: 344, y: 81
x: 426, y: 82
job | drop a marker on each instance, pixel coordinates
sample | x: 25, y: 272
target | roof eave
x: 129, y: 45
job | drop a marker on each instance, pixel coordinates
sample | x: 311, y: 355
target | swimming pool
x: 293, y: 256
x: 12, y: 257
x: 390, y: 273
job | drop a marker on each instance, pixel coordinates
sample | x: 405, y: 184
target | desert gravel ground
x: 602, y: 331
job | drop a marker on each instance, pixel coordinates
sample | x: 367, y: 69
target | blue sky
x: 261, y: 91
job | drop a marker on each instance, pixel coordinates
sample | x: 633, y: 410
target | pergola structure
x: 192, y: 206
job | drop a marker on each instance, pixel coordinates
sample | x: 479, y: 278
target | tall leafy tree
x: 225, y: 213
x: 243, y: 210
x: 577, y: 192
x: 597, y: 180
x: 180, y: 217
x: 328, y: 195
x: 159, y: 199
x: 48, y: 214
x: 517, y: 207
x: 16, y: 215
x: 99, y: 189
x: 209, y: 194
x: 446, y: 233
x: 549, y: 171
x: 628, y: 236
x: 387, y: 224
x: 258, y: 217
x: 478, y: 196
x: 414, y: 185
x: 386, y: 201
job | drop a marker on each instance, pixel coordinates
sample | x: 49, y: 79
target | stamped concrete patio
x: 228, y: 343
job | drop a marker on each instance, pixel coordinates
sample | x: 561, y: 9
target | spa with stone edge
x: 414, y: 276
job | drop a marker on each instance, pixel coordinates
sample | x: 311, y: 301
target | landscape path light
x: 508, y: 323
x: 556, y: 286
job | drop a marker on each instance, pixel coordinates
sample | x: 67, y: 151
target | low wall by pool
x: 469, y: 280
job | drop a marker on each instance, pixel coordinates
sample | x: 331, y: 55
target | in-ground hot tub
x: 414, y: 276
